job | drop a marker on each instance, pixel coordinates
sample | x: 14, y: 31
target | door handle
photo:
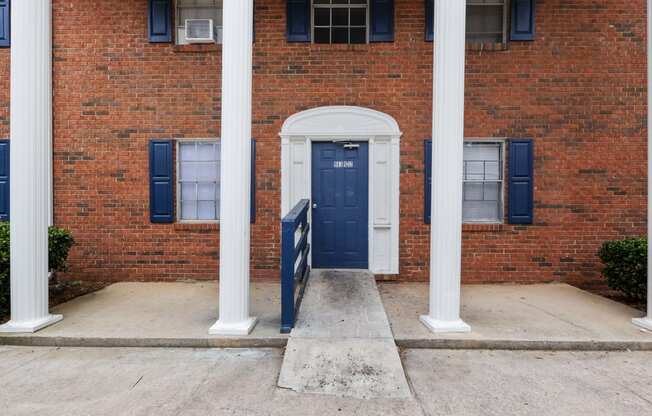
x: 314, y: 205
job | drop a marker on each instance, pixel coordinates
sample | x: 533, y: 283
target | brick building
x: 553, y: 161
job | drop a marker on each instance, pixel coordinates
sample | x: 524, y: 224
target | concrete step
x: 342, y: 344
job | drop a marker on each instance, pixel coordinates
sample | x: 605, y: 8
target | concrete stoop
x: 342, y: 306
x: 342, y: 344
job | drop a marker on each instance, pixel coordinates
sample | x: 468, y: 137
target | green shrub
x: 60, y: 241
x: 625, y: 268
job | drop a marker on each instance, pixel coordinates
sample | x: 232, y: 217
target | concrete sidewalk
x: 240, y: 382
x: 553, y: 316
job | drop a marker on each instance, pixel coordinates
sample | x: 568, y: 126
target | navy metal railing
x: 294, y: 276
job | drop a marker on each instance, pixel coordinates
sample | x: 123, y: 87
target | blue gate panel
x: 294, y: 277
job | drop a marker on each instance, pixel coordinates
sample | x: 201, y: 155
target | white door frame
x: 345, y: 123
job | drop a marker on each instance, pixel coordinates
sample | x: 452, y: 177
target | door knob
x: 314, y: 206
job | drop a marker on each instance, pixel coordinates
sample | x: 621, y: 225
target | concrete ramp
x: 342, y: 343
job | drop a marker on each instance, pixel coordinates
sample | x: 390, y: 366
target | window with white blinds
x: 198, y: 180
x: 483, y: 182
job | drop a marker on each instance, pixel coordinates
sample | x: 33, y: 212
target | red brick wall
x: 578, y: 90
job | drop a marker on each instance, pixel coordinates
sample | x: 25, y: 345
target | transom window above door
x: 340, y: 21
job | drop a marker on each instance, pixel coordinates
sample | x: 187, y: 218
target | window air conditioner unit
x: 200, y: 31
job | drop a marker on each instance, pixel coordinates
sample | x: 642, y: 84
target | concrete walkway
x: 342, y: 343
x: 240, y: 382
x: 547, y: 316
x: 156, y: 315
x: 535, y: 317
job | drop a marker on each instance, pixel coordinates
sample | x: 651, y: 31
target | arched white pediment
x: 340, y: 121
x: 347, y: 123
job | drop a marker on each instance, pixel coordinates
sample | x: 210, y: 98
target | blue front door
x: 340, y: 195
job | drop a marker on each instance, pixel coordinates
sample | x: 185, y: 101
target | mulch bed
x: 63, y: 291
x: 66, y: 290
x: 600, y: 288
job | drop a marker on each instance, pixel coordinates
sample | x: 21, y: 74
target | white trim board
x: 345, y: 123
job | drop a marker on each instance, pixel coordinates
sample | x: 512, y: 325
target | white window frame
x: 503, y: 166
x: 178, y: 179
x: 178, y: 25
x: 313, y: 6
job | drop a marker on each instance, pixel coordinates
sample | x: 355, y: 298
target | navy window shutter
x: 161, y: 188
x: 253, y: 182
x: 4, y: 180
x: 382, y: 21
x: 5, y: 24
x: 298, y: 20
x: 430, y: 19
x: 427, y: 180
x: 160, y: 21
x: 521, y: 181
x: 523, y: 20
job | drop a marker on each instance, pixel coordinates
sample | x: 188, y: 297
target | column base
x: 438, y: 326
x: 645, y: 323
x: 233, y: 329
x: 17, y: 327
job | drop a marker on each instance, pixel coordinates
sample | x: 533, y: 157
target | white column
x: 235, y: 193
x: 647, y: 321
x: 31, y: 159
x: 447, y: 166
